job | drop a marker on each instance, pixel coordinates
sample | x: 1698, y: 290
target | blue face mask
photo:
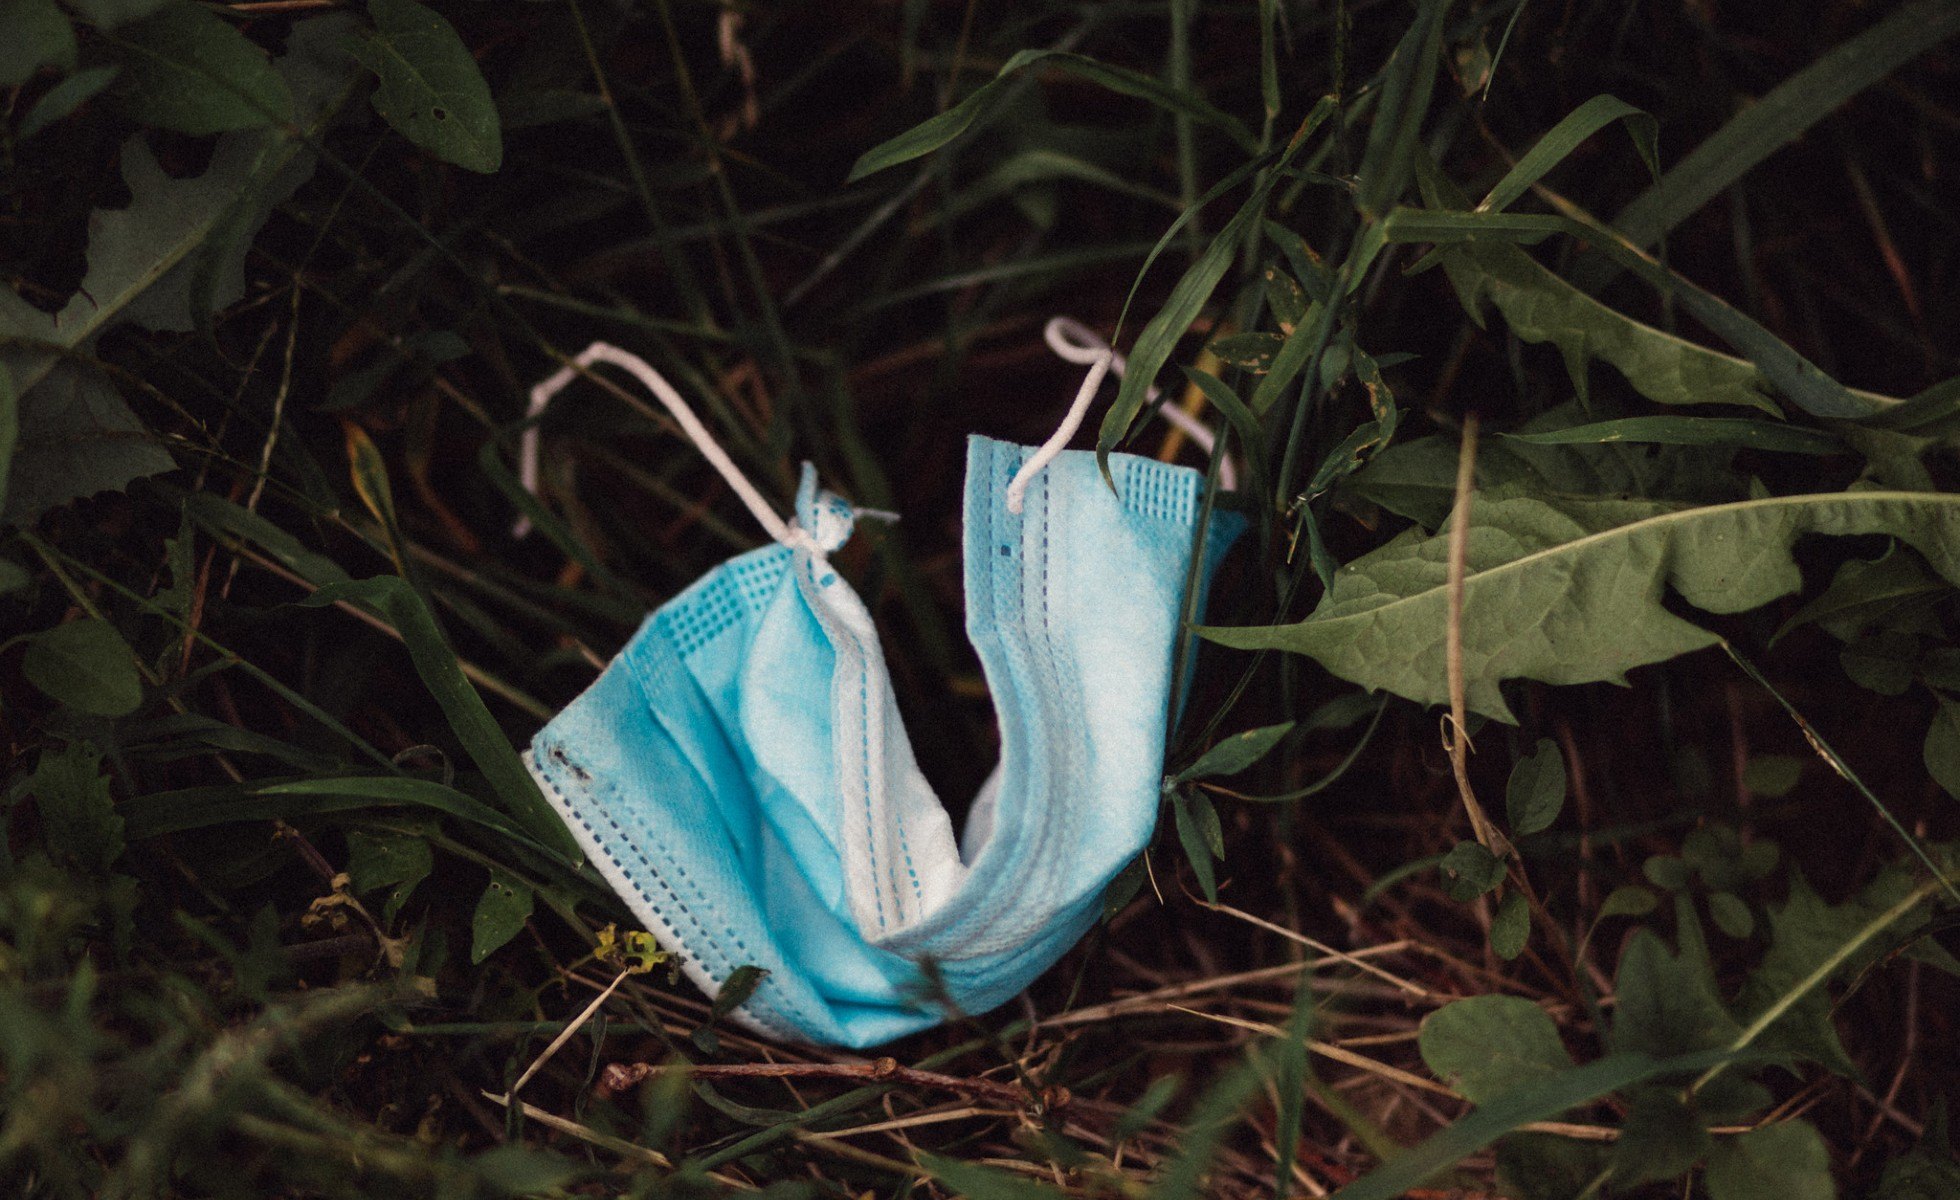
x: 740, y: 776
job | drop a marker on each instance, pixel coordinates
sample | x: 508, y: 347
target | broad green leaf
x: 1883, y: 662
x: 1589, y: 118
x: 1536, y: 790
x: 1661, y: 1139
x: 475, y: 728
x: 1928, y: 1171
x: 76, y: 438
x: 67, y: 96
x: 1235, y: 753
x: 1731, y: 914
x: 1544, y: 1166
x: 431, y: 90
x: 188, y: 69
x: 931, y: 134
x: 1665, y: 871
x: 1469, y: 871
x: 1785, y: 1161
x: 1537, y: 1101
x: 500, y: 914
x: 1627, y: 900
x: 391, y: 859
x: 1772, y: 775
x: 1763, y: 126
x: 1540, y: 307
x: 1694, y: 431
x: 86, y: 665
x: 1510, y: 929
x: 1486, y: 1046
x: 1868, y: 593
x: 1569, y: 590
x: 1942, y: 749
x: 1668, y: 1003
x: 166, y: 261
x: 37, y: 35
x: 79, y: 821
x: 1287, y: 299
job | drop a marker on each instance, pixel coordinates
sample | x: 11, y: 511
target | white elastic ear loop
x: 1072, y: 340
x: 527, y: 469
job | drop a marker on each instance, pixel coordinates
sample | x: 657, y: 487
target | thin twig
x: 1459, y: 741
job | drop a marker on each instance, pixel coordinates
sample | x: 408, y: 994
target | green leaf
x: 1928, y: 1171
x: 1731, y: 915
x: 1408, y: 82
x: 500, y: 914
x: 1470, y: 871
x: 38, y: 35
x: 1540, y: 307
x: 1883, y: 663
x: 1569, y: 590
x: 1286, y: 298
x: 1772, y: 775
x: 1589, y: 118
x: 1942, y: 751
x: 1247, y: 351
x: 389, y: 859
x: 1763, y: 126
x: 1628, y: 900
x: 188, y: 69
x: 65, y: 97
x: 1665, y: 871
x: 76, y: 438
x: 86, y: 665
x: 1662, y: 1138
x: 1739, y: 432
x: 1868, y: 593
x: 1536, y: 790
x: 1235, y: 753
x: 431, y: 90
x: 1786, y: 1161
x: 200, y: 808
x: 1486, y: 1046
x: 931, y: 134
x: 1199, y: 833
x: 475, y: 728
x: 1544, y: 1166
x: 1510, y: 929
x: 79, y: 821
x: 1668, y: 1003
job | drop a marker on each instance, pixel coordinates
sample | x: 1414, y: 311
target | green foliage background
x: 281, y: 912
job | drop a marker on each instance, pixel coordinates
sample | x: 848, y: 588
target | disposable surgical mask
x: 740, y: 776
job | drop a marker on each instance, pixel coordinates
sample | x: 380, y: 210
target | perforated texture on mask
x: 724, y: 601
x: 679, y: 924
x: 1159, y: 490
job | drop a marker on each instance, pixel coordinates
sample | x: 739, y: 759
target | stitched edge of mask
x: 622, y: 886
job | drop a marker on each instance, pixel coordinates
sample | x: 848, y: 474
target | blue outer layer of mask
x: 741, y: 777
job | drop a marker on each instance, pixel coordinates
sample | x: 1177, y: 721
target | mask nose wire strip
x: 786, y: 533
x: 1070, y: 339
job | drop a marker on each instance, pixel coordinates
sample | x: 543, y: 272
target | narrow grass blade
x: 1780, y: 117
x: 1584, y: 121
x: 1692, y: 431
x: 485, y: 743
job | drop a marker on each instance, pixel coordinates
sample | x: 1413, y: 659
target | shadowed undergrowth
x: 1558, y: 346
